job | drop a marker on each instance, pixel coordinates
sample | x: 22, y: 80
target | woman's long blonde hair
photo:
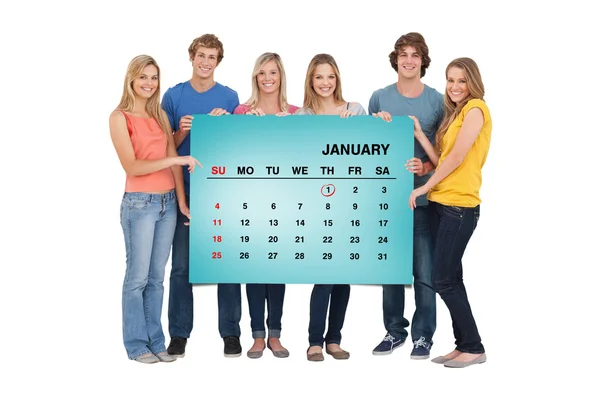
x: 311, y: 99
x: 452, y: 109
x: 260, y: 62
x: 134, y: 70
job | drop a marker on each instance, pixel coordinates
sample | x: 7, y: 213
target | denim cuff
x: 258, y: 334
x: 159, y: 350
x: 275, y: 333
x: 402, y: 336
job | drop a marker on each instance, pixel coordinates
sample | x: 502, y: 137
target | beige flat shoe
x: 338, y: 355
x: 315, y: 356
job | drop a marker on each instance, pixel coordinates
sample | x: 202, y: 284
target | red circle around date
x: 328, y: 190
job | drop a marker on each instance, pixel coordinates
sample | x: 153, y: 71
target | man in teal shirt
x: 409, y: 96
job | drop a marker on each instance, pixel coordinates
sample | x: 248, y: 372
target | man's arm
x: 185, y: 125
x: 427, y: 168
x: 374, y: 104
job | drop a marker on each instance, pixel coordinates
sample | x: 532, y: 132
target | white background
x: 530, y: 268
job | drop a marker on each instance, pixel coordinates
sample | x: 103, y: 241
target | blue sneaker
x: 421, y: 349
x: 388, y: 345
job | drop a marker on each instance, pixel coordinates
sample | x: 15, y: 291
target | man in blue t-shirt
x: 200, y: 95
x: 411, y: 97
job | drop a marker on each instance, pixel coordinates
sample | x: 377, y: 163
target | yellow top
x: 461, y: 187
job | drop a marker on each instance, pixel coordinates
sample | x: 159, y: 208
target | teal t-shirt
x: 428, y: 108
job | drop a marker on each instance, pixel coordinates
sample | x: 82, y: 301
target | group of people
x: 152, y: 138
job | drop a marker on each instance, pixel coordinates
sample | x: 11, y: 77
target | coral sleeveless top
x: 149, y: 143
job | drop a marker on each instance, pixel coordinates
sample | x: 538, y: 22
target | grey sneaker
x: 165, y: 357
x: 147, y: 358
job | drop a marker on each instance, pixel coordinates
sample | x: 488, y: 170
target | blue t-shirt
x: 428, y: 108
x: 182, y: 99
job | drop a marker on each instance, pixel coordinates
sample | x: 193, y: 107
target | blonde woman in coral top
x: 462, y: 144
x: 143, y: 139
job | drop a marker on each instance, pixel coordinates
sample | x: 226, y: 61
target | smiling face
x: 205, y: 62
x: 324, y: 80
x: 146, y: 83
x: 409, y: 63
x: 269, y: 78
x: 456, y: 85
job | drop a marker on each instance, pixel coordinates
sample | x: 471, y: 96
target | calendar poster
x: 301, y: 199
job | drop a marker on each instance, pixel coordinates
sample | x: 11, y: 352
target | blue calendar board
x: 301, y: 199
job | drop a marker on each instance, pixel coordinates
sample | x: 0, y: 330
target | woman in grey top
x: 323, y: 90
x: 323, y: 96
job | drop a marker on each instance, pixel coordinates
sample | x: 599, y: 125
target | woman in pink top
x: 143, y: 139
x: 268, y: 97
x: 268, y: 89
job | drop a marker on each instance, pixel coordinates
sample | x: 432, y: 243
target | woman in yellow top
x: 462, y: 144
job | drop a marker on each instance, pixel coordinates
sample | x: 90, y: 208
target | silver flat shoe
x: 440, y: 360
x: 255, y: 354
x: 279, y: 353
x: 462, y: 364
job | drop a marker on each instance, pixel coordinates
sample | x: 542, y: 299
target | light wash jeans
x: 148, y: 222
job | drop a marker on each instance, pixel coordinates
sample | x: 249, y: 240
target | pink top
x: 244, y: 108
x: 149, y: 143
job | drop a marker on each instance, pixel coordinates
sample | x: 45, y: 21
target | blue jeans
x: 319, y: 302
x: 273, y: 294
x: 424, y: 318
x: 181, y: 297
x: 452, y: 228
x: 148, y: 222
x: 230, y: 308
